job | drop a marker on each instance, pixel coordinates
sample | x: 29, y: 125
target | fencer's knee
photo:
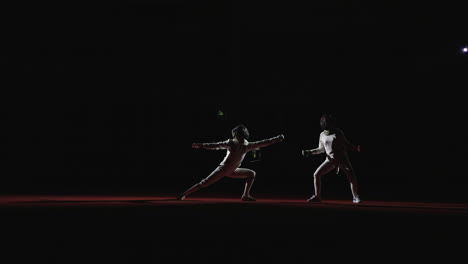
x: 252, y: 174
x: 316, y: 175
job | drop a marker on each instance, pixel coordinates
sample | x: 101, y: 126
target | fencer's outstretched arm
x: 265, y: 142
x: 212, y: 146
x: 320, y: 149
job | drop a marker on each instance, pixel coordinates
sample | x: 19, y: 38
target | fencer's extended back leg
x: 215, y: 176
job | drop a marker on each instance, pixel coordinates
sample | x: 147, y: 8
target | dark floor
x: 149, y: 229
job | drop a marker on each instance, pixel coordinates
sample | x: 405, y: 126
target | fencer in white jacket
x: 236, y: 149
x: 334, y: 144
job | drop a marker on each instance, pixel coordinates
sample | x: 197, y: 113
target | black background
x: 108, y: 97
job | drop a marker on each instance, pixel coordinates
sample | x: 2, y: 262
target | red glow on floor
x: 136, y: 200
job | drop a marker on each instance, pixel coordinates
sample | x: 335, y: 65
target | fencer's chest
x: 328, y: 140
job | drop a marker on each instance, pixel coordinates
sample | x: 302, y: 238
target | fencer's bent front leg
x: 323, y: 169
x: 247, y: 174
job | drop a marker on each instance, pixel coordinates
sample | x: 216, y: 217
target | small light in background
x: 256, y: 155
x: 465, y: 50
x: 221, y: 115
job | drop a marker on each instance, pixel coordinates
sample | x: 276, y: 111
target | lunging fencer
x: 236, y: 148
